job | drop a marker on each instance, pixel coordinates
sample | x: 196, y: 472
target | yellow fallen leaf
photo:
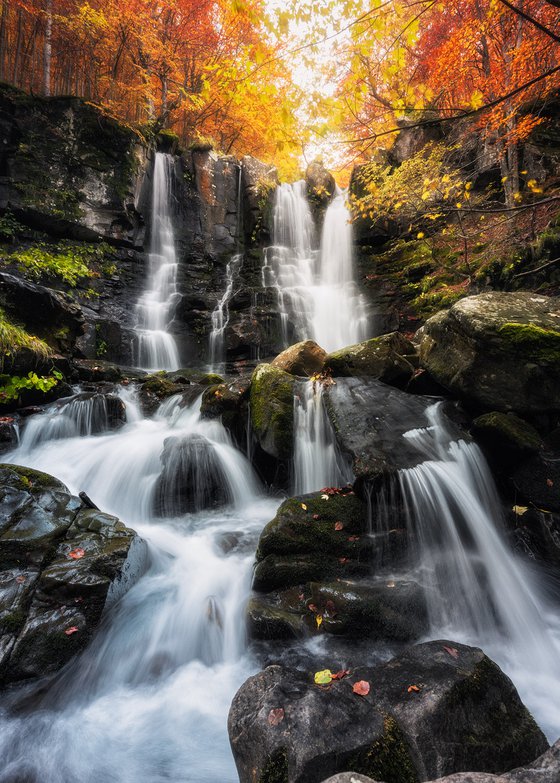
x: 304, y: 507
x: 323, y: 677
x: 520, y: 510
x: 319, y: 620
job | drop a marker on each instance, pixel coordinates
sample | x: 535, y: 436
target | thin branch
x: 531, y: 20
x: 538, y: 268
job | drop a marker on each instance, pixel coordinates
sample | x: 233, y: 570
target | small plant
x: 14, y: 338
x: 10, y: 228
x: 14, y: 385
x: 66, y: 261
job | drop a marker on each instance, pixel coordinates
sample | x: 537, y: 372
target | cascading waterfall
x: 155, y: 347
x: 220, y: 316
x: 318, y: 462
x: 151, y: 691
x: 476, y: 588
x: 316, y: 291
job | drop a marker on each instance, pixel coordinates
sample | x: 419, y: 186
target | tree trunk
x: 47, y: 52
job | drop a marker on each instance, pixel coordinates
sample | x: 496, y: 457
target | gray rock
x: 499, y: 351
x: 391, y: 358
x: 465, y: 714
x: 272, y: 410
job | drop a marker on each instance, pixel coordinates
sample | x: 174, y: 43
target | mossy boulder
x: 463, y: 713
x: 391, y: 358
x: 60, y: 565
x: 506, y: 437
x: 272, y: 410
x: 497, y: 351
x: 304, y: 359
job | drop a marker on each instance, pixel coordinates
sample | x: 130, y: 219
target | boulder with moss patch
x: 391, y: 358
x: 435, y: 709
x: 497, y: 351
x: 305, y: 359
x: 272, y: 410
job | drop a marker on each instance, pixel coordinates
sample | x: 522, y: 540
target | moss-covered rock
x: 272, y: 410
x: 497, y: 351
x: 507, y: 436
x: 391, y: 358
x: 462, y: 713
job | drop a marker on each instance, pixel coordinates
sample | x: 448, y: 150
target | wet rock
x: 229, y: 402
x: 391, y: 358
x: 259, y: 181
x: 497, y: 351
x: 465, y: 715
x: 320, y: 184
x: 192, y: 477
x: 304, y: 359
x: 536, y: 534
x: 369, y: 420
x: 272, y: 410
x: 60, y: 566
x: 97, y: 371
x: 156, y: 388
x: 508, y: 437
x: 537, y: 480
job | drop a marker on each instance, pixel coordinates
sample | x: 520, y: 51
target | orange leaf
x: 414, y: 688
x: 451, y: 651
x: 77, y: 553
x: 361, y: 688
x: 275, y: 716
x: 339, y: 675
x: 20, y: 579
x: 71, y: 630
x: 338, y: 526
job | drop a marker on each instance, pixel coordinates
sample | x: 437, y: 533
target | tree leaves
x: 361, y: 688
x: 76, y: 554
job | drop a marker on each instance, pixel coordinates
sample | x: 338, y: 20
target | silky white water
x: 318, y: 462
x: 155, y: 347
x: 220, y: 316
x: 147, y: 701
x: 477, y: 590
x: 316, y: 291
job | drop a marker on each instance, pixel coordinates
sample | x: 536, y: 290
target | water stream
x: 155, y: 347
x: 315, y: 285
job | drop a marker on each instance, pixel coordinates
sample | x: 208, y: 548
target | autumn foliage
x: 200, y: 67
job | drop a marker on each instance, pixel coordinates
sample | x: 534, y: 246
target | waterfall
x: 220, y: 316
x: 156, y: 348
x: 152, y: 690
x: 476, y: 589
x: 316, y: 293
x: 318, y: 462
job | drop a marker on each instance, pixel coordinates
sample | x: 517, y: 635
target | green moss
x: 543, y: 344
x: 275, y: 769
x: 160, y: 385
x: 388, y: 759
x: 272, y: 409
x: 29, y: 478
x: 509, y: 430
x: 13, y: 622
x: 65, y: 261
x: 14, y: 338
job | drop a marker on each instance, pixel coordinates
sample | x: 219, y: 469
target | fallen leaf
x: 323, y: 677
x: 339, y: 675
x: 77, y: 553
x: 519, y: 510
x: 361, y: 688
x: 414, y: 688
x: 319, y: 620
x: 330, y: 607
x: 338, y: 526
x: 316, y: 517
x: 549, y: 483
x: 20, y: 579
x: 312, y: 608
x: 324, y: 497
x: 353, y: 539
x: 343, y: 560
x: 71, y: 630
x: 451, y: 651
x: 304, y: 507
x: 275, y: 716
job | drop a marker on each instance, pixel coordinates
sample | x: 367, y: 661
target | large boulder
x: 438, y: 708
x: 320, y: 185
x: 497, y: 351
x: 305, y: 359
x: 60, y: 565
x: 369, y: 419
x: 272, y: 410
x: 391, y: 358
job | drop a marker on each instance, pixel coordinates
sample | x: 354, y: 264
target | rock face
x: 272, y: 410
x: 321, y: 186
x: 464, y: 715
x: 305, y: 359
x: 497, y: 351
x: 369, y: 419
x: 391, y: 358
x: 60, y: 566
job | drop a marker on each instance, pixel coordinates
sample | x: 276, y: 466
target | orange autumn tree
x: 423, y: 60
x: 183, y: 64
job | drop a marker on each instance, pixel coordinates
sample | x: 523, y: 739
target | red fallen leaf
x: 339, y: 675
x: 338, y: 526
x: 361, y: 688
x: 451, y: 651
x: 330, y: 607
x: 312, y: 608
x: 353, y: 539
x: 77, y: 553
x: 301, y: 597
x: 6, y: 419
x: 316, y: 517
x: 275, y: 716
x: 20, y: 579
x: 71, y: 630
x: 343, y: 560
x: 549, y: 483
x: 414, y: 688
